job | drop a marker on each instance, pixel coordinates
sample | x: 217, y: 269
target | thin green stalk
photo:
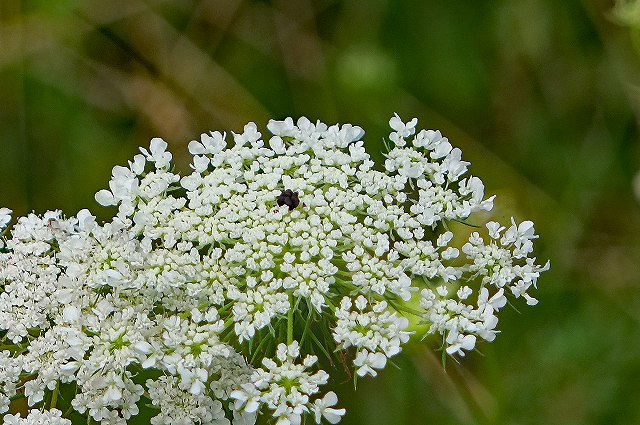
x: 54, y: 397
x: 11, y: 347
x: 402, y: 307
x: 290, y: 321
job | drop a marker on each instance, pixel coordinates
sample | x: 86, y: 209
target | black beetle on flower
x: 288, y: 198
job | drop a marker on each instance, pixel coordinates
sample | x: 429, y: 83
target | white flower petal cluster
x: 5, y: 217
x: 285, y: 387
x: 180, y: 407
x: 36, y: 417
x: 211, y: 296
x: 10, y: 372
x: 375, y: 332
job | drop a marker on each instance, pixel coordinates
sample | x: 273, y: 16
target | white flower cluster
x: 285, y: 387
x: 5, y: 218
x: 36, y: 417
x: 197, y: 300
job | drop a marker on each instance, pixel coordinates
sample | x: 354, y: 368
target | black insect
x: 288, y: 198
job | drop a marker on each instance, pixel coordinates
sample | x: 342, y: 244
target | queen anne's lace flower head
x: 211, y: 296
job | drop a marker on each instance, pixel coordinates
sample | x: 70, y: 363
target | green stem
x: 406, y: 309
x: 11, y: 347
x: 290, y: 321
x: 54, y: 397
x: 66, y: 413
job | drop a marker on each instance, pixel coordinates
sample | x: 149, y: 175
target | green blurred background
x: 543, y: 97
